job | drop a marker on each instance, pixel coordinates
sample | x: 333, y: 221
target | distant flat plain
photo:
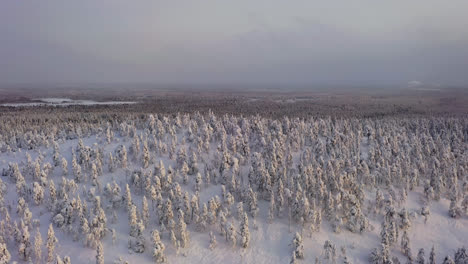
x: 264, y: 100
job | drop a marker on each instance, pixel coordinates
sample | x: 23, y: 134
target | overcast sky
x: 234, y: 41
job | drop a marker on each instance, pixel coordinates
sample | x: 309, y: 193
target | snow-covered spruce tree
x: 135, y: 147
x: 52, y: 196
x: 329, y: 251
x: 425, y: 212
x: 66, y: 260
x: 145, y: 214
x: 18, y: 178
x: 76, y: 170
x: 461, y: 257
x: 182, y: 232
x: 384, y: 255
x: 202, y: 219
x: 213, y: 206
x: 27, y: 217
x: 184, y: 171
x: 193, y: 164
x: 194, y: 204
x: 24, y: 247
x: 240, y: 210
x: 298, y: 247
x: 421, y: 258
x: 37, y: 170
x: 405, y: 246
x: 94, y: 175
x: 213, y: 242
x: 293, y: 258
x: 454, y: 210
x: 432, y: 256
x: 4, y: 254
x: 56, y: 155
x: 244, y: 231
x: 175, y: 243
x: 128, y: 197
x: 64, y: 165
x: 133, y: 221
x: 137, y: 240
x: 122, y: 154
x: 222, y: 224
x: 198, y: 182
x: 50, y: 244
x: 158, y: 247
x: 231, y: 234
x: 448, y: 260
x: 464, y: 203
x: 38, y: 193
x: 271, y: 209
x: 99, y: 253
x: 109, y: 134
x: 167, y: 213
x: 405, y: 221
x: 110, y: 163
x: 146, y: 155
x: 38, y: 247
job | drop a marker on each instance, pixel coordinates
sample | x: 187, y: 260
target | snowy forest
x: 202, y: 187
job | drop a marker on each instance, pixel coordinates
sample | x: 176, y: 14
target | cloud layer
x: 299, y: 42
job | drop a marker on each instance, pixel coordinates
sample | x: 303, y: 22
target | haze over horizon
x: 361, y: 42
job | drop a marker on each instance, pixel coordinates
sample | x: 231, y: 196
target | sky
x: 356, y: 42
